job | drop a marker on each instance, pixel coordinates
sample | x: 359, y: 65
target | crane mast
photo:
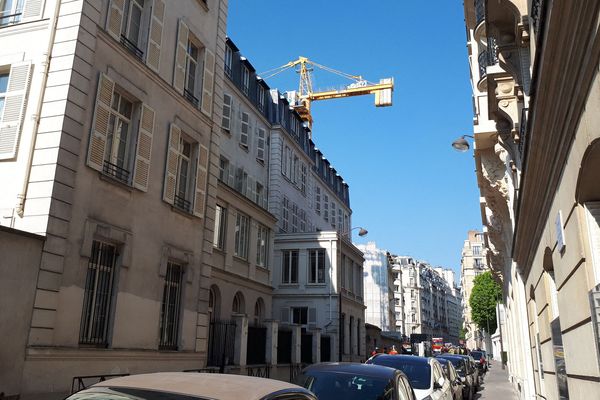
x: 302, y: 99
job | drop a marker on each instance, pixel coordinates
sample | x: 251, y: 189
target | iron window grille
x: 182, y: 204
x: 170, y: 308
x: 114, y: 171
x: 11, y: 12
x: 132, y: 47
x: 190, y: 97
x: 97, y: 300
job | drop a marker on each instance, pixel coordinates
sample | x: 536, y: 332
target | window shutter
x: 155, y: 35
x: 244, y: 130
x: 114, y: 20
x: 208, y: 82
x: 32, y: 10
x: 97, y: 145
x: 251, y: 189
x: 312, y: 317
x: 180, y: 52
x: 201, y: 176
x: 144, y: 149
x: 231, y: 175
x: 226, y: 120
x: 260, y: 147
x: 171, y: 165
x: 11, y: 120
x: 285, y: 315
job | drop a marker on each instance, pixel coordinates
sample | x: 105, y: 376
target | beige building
x: 473, y: 263
x: 537, y: 94
x: 106, y: 140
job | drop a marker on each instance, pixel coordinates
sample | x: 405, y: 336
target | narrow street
x: 496, y: 385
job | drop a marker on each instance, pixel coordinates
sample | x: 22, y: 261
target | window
x: 241, y: 236
x: 300, y: 315
x: 260, y: 97
x: 262, y: 243
x: 10, y: 11
x: 350, y: 329
x: 286, y: 166
x: 350, y: 269
x: 238, y: 306
x: 170, y: 308
x: 220, y: 227
x: 333, y: 215
x: 476, y: 250
x: 184, y: 173
x: 303, y: 171
x: 226, y: 120
x: 259, y: 194
x: 245, y: 129
x: 98, y: 295
x: 302, y: 216
x: 228, y: 60
x: 119, y: 140
x: 192, y: 73
x: 294, y: 218
x: 318, y: 200
x: 316, y: 273
x: 131, y: 27
x: 326, y: 208
x: 342, y: 329
x: 223, y: 169
x: 478, y: 262
x: 290, y: 267
x: 240, y: 179
x: 285, y: 214
x: 295, y: 169
x: 260, y: 144
x: 245, y: 79
x: 115, y: 146
x: 340, y: 221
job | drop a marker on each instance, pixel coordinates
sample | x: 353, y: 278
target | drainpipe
x: 340, y: 327
x: 46, y: 63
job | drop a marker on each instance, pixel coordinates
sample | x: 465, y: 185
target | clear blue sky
x: 413, y: 192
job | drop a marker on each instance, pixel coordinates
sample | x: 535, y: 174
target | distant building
x: 473, y: 263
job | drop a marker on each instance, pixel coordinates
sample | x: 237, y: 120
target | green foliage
x: 486, y: 292
x: 462, y: 332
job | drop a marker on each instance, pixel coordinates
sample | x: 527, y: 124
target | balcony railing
x: 537, y: 13
x: 116, y: 172
x: 479, y: 11
x: 182, y: 204
x: 8, y: 19
x: 132, y: 47
x: 190, y: 97
x: 488, y: 57
x: 523, y: 132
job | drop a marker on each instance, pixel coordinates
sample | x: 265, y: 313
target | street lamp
x: 362, y: 232
x: 461, y: 143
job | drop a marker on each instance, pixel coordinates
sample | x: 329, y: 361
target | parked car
x: 455, y: 382
x: 424, y: 374
x: 480, y: 359
x: 188, y: 386
x: 354, y: 381
x: 467, y: 373
x: 478, y: 374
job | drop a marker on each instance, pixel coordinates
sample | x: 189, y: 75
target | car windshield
x: 418, y: 373
x: 337, y: 385
x: 477, y: 355
x: 457, y: 362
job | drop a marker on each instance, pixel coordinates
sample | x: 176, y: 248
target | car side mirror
x: 440, y: 382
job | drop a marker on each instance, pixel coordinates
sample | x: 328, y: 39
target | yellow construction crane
x: 301, y: 100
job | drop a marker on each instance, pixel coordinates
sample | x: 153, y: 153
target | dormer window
x: 228, y: 60
x: 260, y: 97
x: 245, y: 79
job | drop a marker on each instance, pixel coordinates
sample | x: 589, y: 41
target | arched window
x: 214, y: 301
x: 259, y: 311
x: 238, y: 306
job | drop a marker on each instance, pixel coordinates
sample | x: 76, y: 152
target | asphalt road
x: 496, y: 385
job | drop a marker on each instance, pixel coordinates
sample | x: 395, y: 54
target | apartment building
x: 317, y: 274
x: 536, y: 86
x: 381, y: 296
x: 107, y: 151
x: 473, y: 262
x: 241, y: 260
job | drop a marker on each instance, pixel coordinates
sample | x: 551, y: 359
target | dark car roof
x: 354, y: 368
x: 449, y: 356
x: 403, y: 358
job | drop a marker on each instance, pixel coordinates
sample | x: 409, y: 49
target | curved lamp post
x: 461, y: 143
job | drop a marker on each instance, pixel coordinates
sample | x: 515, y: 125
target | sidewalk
x: 496, y: 385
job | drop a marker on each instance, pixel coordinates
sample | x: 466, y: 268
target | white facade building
x: 473, y: 263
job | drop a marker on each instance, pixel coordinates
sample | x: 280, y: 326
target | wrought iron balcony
x: 487, y: 58
x: 537, y: 13
x: 132, y: 47
x: 116, y: 172
x: 6, y: 18
x: 479, y: 11
x: 182, y: 204
x: 191, y: 98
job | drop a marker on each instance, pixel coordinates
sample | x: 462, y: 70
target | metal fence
x: 306, y: 348
x: 257, y: 345
x: 284, y: 347
x: 325, y: 348
x: 261, y: 371
x: 221, y: 343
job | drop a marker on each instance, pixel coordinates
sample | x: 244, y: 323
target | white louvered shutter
x: 244, y: 129
x: 231, y: 175
x: 312, y: 318
x: 15, y: 102
x: 32, y: 10
x: 144, y: 149
x: 114, y: 20
x: 285, y: 315
x: 180, y: 52
x: 226, y: 120
x: 171, y: 165
x: 201, y: 177
x: 208, y: 82
x: 155, y: 35
x: 99, y: 132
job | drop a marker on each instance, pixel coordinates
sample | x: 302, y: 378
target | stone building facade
x: 107, y: 149
x: 536, y: 92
